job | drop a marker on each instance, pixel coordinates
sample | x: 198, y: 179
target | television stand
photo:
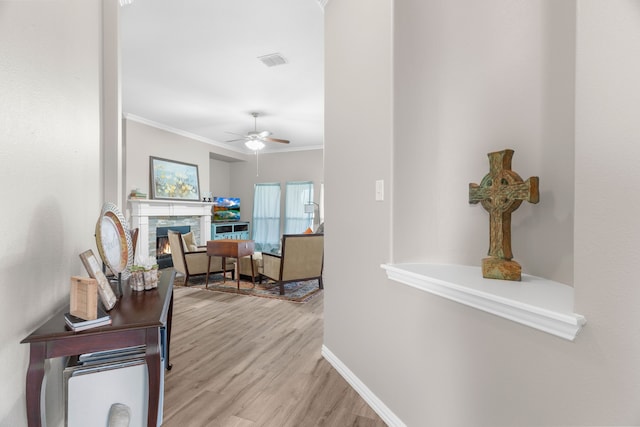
x: 233, y: 230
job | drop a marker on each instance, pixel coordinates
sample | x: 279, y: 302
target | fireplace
x: 147, y: 215
x: 163, y: 252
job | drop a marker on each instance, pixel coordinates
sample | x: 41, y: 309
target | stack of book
x: 137, y: 194
x: 79, y: 324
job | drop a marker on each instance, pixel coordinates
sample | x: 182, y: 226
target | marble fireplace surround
x: 180, y: 212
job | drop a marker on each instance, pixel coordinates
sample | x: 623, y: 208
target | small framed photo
x: 173, y: 180
x: 107, y: 296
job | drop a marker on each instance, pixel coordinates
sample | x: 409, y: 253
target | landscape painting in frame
x: 173, y: 180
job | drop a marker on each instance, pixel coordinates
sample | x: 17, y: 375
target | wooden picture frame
x: 90, y: 262
x: 173, y: 180
x: 84, y: 298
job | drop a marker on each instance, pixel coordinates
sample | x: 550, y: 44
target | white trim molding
x: 539, y: 303
x: 376, y: 404
x: 240, y: 149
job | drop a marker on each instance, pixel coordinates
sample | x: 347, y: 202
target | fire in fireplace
x: 163, y: 251
x: 162, y: 246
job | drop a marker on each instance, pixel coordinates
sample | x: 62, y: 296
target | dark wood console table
x: 136, y: 320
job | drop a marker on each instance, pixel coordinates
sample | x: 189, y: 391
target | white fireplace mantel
x: 141, y: 210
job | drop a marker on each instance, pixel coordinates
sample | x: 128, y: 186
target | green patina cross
x: 501, y: 192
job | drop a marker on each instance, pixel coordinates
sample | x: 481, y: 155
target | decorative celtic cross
x: 501, y: 192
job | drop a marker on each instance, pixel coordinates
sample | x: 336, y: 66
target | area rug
x: 302, y: 291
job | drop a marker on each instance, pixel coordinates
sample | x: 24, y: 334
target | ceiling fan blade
x: 284, y: 141
x: 233, y: 133
x: 235, y: 140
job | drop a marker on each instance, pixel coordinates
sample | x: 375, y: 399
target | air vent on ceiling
x: 273, y: 59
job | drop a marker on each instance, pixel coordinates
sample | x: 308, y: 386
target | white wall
x: 143, y: 141
x: 360, y: 309
x: 219, y: 178
x: 50, y: 156
x: 607, y: 226
x: 470, y: 78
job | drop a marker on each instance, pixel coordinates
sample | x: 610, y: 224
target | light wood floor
x: 248, y: 361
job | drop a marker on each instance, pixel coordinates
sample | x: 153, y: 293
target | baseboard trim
x: 372, y: 400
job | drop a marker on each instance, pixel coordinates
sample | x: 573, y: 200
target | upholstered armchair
x: 192, y: 260
x: 244, y: 265
x: 301, y: 258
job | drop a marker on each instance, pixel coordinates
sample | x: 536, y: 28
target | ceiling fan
x: 255, y: 140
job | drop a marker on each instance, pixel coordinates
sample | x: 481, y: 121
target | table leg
x: 238, y: 271
x: 35, y: 375
x: 208, y: 270
x: 168, y: 364
x: 253, y: 274
x: 152, y: 357
x: 224, y: 269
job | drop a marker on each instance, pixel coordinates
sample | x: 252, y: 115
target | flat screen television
x: 226, y: 209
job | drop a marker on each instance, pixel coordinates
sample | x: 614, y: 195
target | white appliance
x: 95, y: 381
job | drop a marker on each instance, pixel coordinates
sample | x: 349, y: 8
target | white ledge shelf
x: 539, y: 303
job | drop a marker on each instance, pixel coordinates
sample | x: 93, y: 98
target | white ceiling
x: 191, y: 66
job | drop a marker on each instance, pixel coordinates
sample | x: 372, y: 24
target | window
x: 297, y: 195
x: 266, y: 217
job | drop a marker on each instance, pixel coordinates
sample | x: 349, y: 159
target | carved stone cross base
x: 498, y: 268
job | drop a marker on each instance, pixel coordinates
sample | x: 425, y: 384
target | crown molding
x: 239, y: 150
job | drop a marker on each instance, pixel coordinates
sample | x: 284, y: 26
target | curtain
x: 297, y: 195
x: 266, y: 217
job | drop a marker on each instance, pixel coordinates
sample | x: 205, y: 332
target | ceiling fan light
x: 254, y: 144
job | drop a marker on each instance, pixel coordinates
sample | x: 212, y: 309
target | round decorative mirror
x: 113, y: 239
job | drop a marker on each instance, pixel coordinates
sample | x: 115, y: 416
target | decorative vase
x: 136, y: 281
x: 147, y: 280
x: 154, y: 277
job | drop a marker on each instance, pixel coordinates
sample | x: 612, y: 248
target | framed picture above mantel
x: 173, y: 180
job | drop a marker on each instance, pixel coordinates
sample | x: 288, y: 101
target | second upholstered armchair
x: 301, y: 258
